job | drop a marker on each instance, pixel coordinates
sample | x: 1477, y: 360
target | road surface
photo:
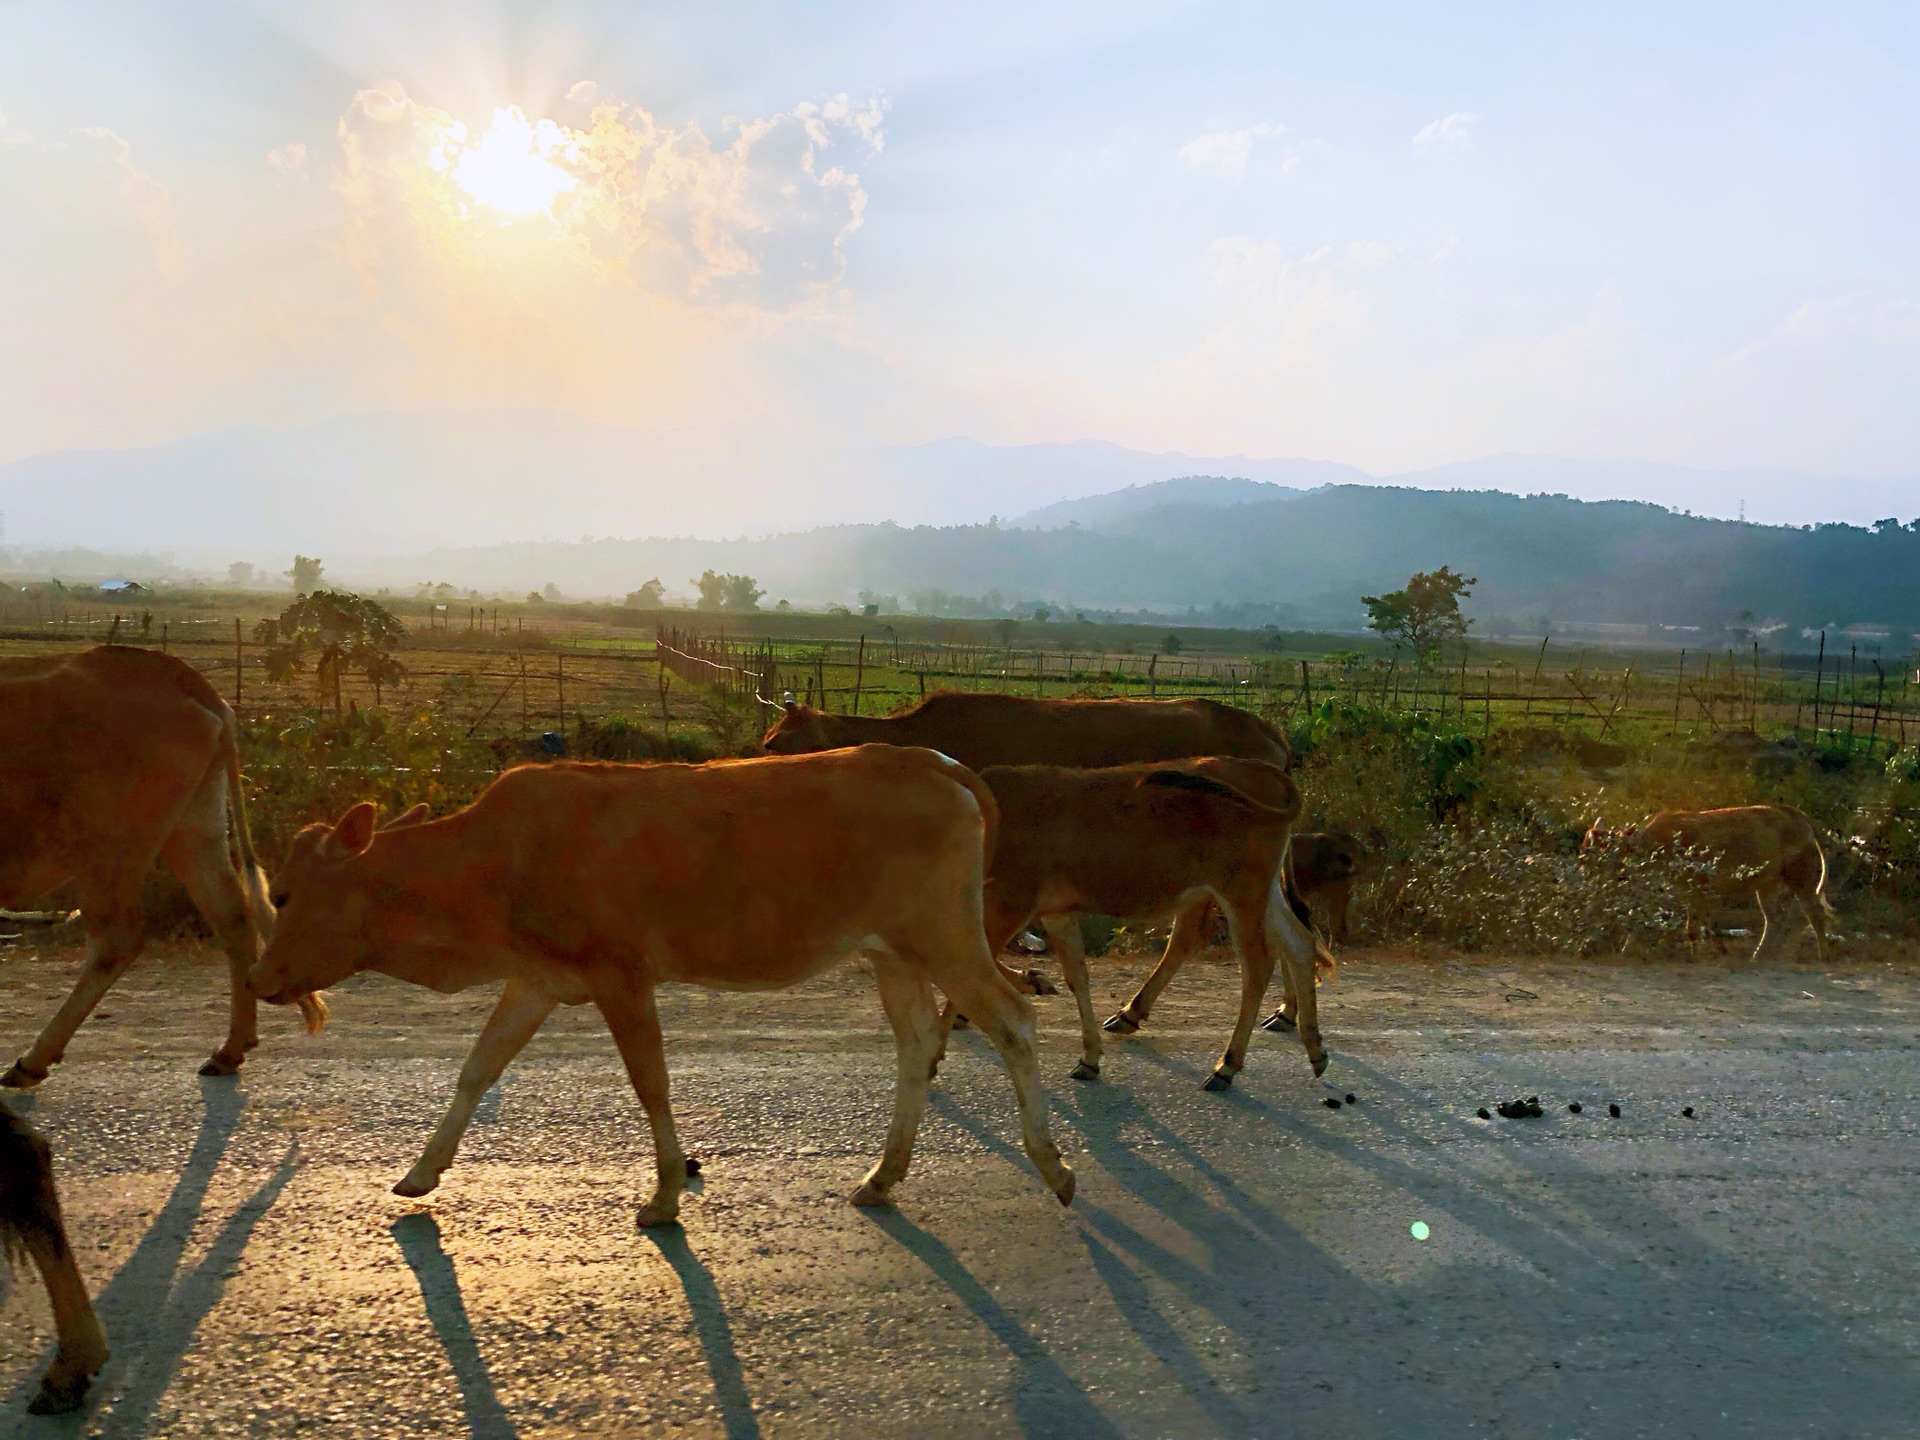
x: 1234, y: 1265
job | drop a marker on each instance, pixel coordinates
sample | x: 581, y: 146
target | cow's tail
x: 1323, y: 961
x: 253, y: 876
x: 989, y: 814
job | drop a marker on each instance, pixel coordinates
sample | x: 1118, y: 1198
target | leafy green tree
x: 305, y: 574
x: 1170, y: 643
x: 334, y: 631
x: 727, y: 592
x: 1425, y: 615
x: 650, y: 596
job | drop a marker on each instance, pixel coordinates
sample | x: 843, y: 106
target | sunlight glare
x: 517, y: 166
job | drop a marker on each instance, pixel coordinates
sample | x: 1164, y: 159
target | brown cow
x: 1757, y: 850
x: 1326, y: 867
x: 30, y: 1221
x: 1145, y: 843
x: 986, y: 729
x: 109, y: 760
x: 581, y: 881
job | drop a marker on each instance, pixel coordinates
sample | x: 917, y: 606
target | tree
x: 550, y: 591
x: 742, y: 593
x: 1170, y: 643
x: 334, y: 631
x: 305, y: 574
x: 1425, y: 615
x: 239, y: 574
x: 727, y: 592
x: 650, y: 596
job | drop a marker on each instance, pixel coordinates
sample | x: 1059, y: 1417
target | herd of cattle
x: 925, y: 842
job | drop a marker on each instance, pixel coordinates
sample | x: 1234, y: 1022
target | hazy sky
x: 1389, y: 235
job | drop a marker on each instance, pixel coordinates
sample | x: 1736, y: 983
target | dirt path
x: 1234, y: 1265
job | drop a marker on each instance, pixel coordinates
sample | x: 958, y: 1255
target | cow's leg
x: 197, y: 853
x: 115, y: 929
x: 517, y: 1017
x: 908, y: 1000
x: 1766, y: 926
x: 1005, y: 1017
x: 1188, y: 937
x: 1064, y: 939
x: 627, y: 1003
x: 1248, y: 922
x: 1806, y: 876
x: 1298, y: 953
x: 30, y: 1213
x: 1339, y: 900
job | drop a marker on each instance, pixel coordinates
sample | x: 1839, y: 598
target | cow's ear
x: 415, y: 816
x: 792, y: 707
x: 353, y: 832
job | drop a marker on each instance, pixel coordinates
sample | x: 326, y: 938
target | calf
x: 1757, y: 850
x: 30, y: 1221
x: 579, y: 881
x: 1326, y: 867
x: 110, y: 760
x: 1145, y: 843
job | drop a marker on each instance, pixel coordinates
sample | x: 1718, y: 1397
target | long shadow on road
x: 418, y: 1236
x: 715, y: 1331
x: 1607, y: 1284
x: 150, y: 1316
x: 1048, y: 1402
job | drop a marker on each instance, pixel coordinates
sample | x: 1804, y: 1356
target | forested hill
x: 1302, y: 559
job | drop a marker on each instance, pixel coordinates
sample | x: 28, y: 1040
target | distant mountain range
x: 394, y: 483
x: 395, y: 500
x: 1299, y: 559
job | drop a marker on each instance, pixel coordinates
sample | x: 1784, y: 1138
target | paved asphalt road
x: 1235, y: 1265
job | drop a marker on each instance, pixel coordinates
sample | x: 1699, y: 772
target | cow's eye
x: 279, y: 899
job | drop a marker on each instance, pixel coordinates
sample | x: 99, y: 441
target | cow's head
x: 1602, y: 837
x: 800, y: 730
x: 323, y: 898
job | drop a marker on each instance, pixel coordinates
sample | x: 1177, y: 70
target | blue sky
x: 1390, y: 235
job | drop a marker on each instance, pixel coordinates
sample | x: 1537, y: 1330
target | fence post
x: 1679, y: 682
x: 1819, y: 674
x: 1306, y: 686
x: 859, y: 672
x: 239, y: 659
x: 1879, y: 690
x: 1152, y: 684
x: 560, y: 682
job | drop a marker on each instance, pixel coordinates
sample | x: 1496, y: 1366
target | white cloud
x: 759, y: 219
x: 583, y: 92
x: 289, y: 159
x: 146, y: 199
x: 1225, y: 153
x: 1449, y: 132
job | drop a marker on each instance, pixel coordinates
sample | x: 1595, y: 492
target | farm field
x: 1233, y: 1265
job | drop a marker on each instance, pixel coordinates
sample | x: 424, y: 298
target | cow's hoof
x: 416, y: 1183
x: 1320, y: 1064
x: 1064, y: 1190
x: 1218, y: 1080
x: 1279, y: 1020
x: 219, y: 1064
x: 1084, y: 1071
x: 1120, y: 1024
x: 959, y: 1023
x: 871, y: 1196
x: 19, y: 1077
x: 60, y: 1397
x: 693, y: 1167
x: 1041, y: 984
x: 653, y: 1216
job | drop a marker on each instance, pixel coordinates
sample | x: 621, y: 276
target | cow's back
x: 980, y: 730
x: 738, y: 859
x: 1769, y: 837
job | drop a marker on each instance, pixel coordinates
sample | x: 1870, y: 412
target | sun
x: 516, y: 166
